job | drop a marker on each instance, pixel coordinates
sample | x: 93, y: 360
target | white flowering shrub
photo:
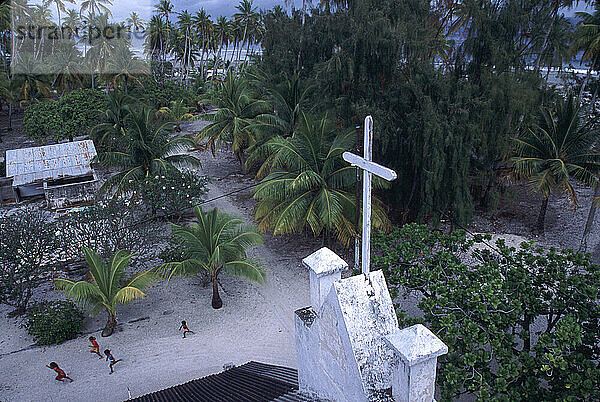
x: 173, y: 194
x: 28, y: 244
x: 107, y: 227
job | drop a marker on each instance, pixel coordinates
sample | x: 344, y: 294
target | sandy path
x: 255, y: 323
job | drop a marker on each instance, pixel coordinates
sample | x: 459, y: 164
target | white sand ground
x: 255, y: 323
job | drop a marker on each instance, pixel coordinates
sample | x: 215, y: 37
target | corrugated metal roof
x: 50, y: 162
x: 252, y: 381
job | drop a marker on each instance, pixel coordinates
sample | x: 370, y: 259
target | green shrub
x: 70, y: 116
x: 53, y: 322
x: 173, y: 194
x: 80, y: 111
x: 525, y: 320
x: 159, y: 94
x: 42, y: 121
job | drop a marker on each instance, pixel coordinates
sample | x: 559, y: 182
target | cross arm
x: 376, y: 169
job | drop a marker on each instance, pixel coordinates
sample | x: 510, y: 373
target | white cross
x: 369, y: 167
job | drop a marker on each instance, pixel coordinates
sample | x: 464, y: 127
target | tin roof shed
x: 50, y: 162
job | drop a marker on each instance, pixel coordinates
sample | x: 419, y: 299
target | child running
x: 112, y: 360
x: 60, y: 374
x: 95, y: 348
x: 185, y: 328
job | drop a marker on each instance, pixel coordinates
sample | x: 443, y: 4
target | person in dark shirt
x: 185, y: 328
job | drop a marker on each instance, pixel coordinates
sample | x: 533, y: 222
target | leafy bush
x: 28, y: 246
x: 108, y: 228
x: 519, y: 324
x: 42, y: 121
x: 53, y: 322
x: 72, y: 115
x: 157, y: 94
x: 173, y: 194
x: 80, y: 111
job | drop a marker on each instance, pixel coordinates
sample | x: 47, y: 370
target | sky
x: 227, y: 8
x: 122, y: 8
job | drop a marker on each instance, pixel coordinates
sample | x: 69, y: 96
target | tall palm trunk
x: 590, y: 220
x: 216, y: 66
x: 538, y: 60
x: 217, y: 303
x: 301, y: 34
x: 111, y: 323
x: 542, y: 215
x: 202, y: 69
x: 243, y: 41
x: 10, y: 113
x: 232, y: 57
x: 587, y: 78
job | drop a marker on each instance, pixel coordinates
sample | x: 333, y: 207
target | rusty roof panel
x: 50, y: 162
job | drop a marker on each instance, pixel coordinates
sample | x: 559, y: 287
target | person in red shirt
x: 61, y: 376
x: 95, y: 348
x: 185, y: 328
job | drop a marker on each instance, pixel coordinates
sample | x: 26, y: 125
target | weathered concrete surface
x: 342, y: 355
x: 348, y: 344
x: 417, y: 349
x: 325, y: 268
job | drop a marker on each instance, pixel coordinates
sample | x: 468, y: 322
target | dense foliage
x: 72, y: 115
x: 53, y: 322
x: 108, y: 228
x: 520, y: 324
x: 174, y: 194
x: 436, y: 102
x: 28, y: 246
x: 157, y: 94
x: 144, y: 149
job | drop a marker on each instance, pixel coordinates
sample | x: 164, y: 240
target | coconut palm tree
x: 185, y: 26
x: 28, y: 81
x: 60, y: 6
x: 157, y: 37
x: 587, y: 39
x: 164, y: 8
x: 216, y: 243
x: 287, y: 100
x: 222, y: 34
x: 135, y: 22
x: 72, y: 21
x: 146, y: 149
x: 307, y: 184
x: 557, y: 151
x: 204, y: 26
x: 233, y: 120
x: 95, y: 7
x: 108, y: 134
x: 108, y: 287
x: 248, y: 17
x: 125, y: 66
x: 66, y: 61
x: 100, y: 51
x: 177, y: 113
